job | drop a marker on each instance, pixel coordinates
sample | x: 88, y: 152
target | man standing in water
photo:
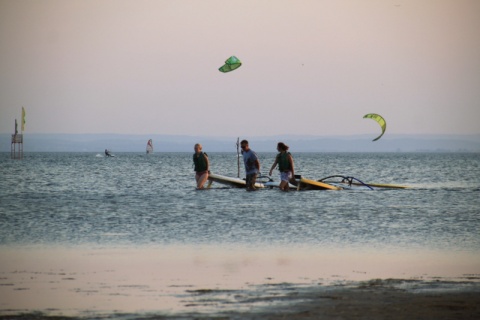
x: 252, y: 165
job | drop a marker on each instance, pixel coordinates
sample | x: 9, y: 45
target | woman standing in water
x: 202, y: 166
x: 286, y: 166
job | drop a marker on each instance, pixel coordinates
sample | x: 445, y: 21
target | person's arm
x: 208, y: 162
x: 292, y: 164
x: 257, y: 164
x: 273, y: 166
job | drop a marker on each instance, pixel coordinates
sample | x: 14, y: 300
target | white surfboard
x: 233, y: 182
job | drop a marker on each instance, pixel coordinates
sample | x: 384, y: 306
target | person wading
x: 202, y: 166
x: 252, y: 165
x: 286, y: 166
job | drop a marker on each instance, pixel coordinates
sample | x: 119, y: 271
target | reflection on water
x: 170, y: 278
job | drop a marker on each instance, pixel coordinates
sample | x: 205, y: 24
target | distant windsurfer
x: 202, y: 166
x: 107, y: 153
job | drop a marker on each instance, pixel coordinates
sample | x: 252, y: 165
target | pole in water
x: 238, y: 157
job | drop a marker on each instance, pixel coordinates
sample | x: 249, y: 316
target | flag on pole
x: 23, y: 119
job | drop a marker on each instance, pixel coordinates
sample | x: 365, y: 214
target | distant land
x: 35, y: 142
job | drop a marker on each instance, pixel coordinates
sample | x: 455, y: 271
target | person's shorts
x: 251, y: 178
x: 286, y: 176
x: 198, y: 174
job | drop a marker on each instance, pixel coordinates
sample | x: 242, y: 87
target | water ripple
x: 133, y: 199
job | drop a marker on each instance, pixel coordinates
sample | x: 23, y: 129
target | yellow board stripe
x: 319, y: 184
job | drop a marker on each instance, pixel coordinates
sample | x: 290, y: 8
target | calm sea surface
x: 135, y: 199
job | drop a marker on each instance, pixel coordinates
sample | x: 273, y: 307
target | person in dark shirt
x: 286, y: 166
x: 202, y: 166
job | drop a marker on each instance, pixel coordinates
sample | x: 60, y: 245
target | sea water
x: 137, y: 199
x: 83, y: 234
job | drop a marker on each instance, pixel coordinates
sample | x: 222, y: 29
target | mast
x: 238, y: 157
x: 16, y: 146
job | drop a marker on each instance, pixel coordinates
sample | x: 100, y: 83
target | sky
x: 308, y: 67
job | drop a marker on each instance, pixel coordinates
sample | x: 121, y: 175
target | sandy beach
x: 376, y: 299
x: 176, y: 282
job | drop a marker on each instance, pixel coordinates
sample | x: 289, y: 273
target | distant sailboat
x: 149, y: 146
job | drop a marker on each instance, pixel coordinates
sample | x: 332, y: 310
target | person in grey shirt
x: 252, y: 165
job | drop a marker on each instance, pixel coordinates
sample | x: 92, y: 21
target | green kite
x: 231, y: 64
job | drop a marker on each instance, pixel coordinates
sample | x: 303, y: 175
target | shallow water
x: 206, y: 279
x: 134, y: 199
x: 94, y: 235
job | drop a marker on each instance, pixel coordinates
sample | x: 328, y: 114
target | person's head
x: 197, y: 147
x: 244, y: 145
x: 282, y: 146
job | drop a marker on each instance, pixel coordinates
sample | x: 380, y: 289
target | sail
x: 150, y: 146
x: 23, y: 119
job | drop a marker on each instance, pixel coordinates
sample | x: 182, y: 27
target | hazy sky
x: 309, y: 67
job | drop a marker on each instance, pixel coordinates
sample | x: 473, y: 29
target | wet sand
x: 176, y: 282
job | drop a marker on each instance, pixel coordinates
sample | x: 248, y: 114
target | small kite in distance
x: 380, y: 121
x: 231, y: 64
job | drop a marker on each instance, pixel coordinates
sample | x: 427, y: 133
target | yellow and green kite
x: 380, y: 121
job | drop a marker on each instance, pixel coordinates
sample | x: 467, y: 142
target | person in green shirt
x: 286, y: 166
x: 202, y: 166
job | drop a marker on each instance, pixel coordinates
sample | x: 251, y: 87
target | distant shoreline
x: 176, y: 143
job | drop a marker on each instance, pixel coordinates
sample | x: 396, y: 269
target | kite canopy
x: 380, y: 121
x: 231, y: 64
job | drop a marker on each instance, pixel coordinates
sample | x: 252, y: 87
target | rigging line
x: 363, y: 183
